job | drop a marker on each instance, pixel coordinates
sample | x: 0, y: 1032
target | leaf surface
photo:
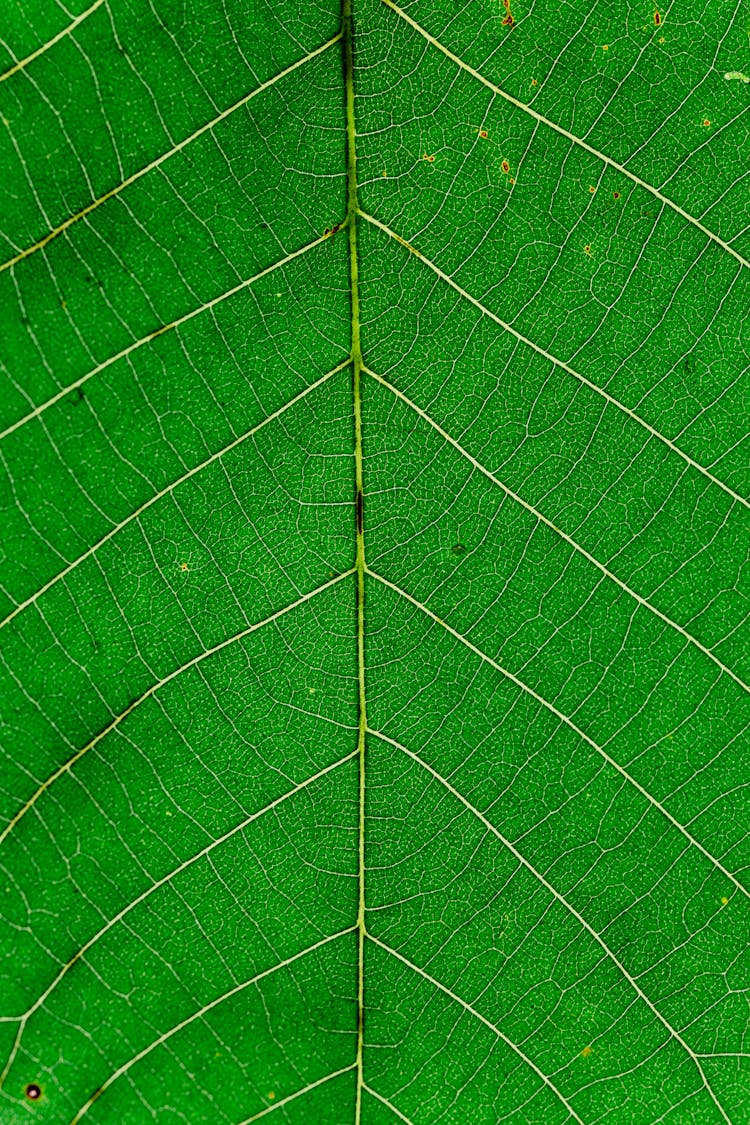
x: 374, y: 472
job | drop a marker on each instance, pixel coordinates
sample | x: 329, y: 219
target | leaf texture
x: 374, y: 587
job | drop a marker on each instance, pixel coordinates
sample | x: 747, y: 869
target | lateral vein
x: 171, y: 875
x: 564, y: 133
x: 563, y: 535
x: 115, y: 191
x: 168, y: 490
x: 401, y: 1116
x: 561, y: 899
x: 67, y: 766
x: 568, y: 722
x: 159, y: 332
x: 23, y: 63
x: 298, y: 1094
x: 199, y: 1015
x: 483, y: 1019
x: 552, y: 359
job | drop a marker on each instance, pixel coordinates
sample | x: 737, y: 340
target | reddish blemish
x: 657, y: 19
x: 505, y: 166
x: 483, y: 134
x: 508, y: 21
x: 615, y: 195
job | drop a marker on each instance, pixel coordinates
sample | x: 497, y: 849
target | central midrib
x: 356, y: 361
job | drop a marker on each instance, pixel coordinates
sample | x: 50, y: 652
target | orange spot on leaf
x: 508, y: 20
x: 587, y: 1051
x: 505, y: 166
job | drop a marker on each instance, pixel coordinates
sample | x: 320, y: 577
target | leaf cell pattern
x: 374, y: 587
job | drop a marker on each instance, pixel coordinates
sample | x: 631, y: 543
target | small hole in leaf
x: 33, y: 1092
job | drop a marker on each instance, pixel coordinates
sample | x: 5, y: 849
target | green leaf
x: 374, y: 472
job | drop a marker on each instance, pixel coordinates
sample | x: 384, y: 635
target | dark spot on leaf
x: 657, y: 19
x: 458, y: 549
x: 615, y: 195
x: 505, y: 166
x: 33, y: 1092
